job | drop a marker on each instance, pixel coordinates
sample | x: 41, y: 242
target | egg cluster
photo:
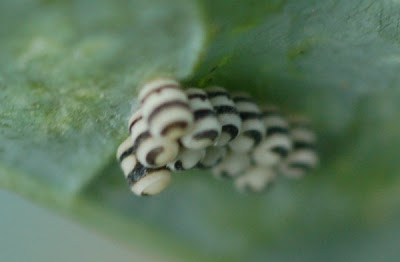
x: 177, y: 129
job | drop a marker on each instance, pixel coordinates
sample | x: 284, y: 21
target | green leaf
x: 69, y: 77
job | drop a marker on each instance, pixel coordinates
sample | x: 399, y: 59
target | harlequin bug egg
x: 255, y: 180
x: 301, y: 131
x: 214, y: 155
x: 253, y: 129
x: 125, y: 149
x: 165, y: 108
x: 142, y: 181
x: 227, y: 114
x: 233, y: 165
x: 126, y: 156
x: 148, y: 181
x: 187, y: 159
x: 277, y: 142
x: 151, y: 151
x: 303, y: 158
x: 206, y: 128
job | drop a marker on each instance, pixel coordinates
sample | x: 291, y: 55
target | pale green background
x: 32, y: 234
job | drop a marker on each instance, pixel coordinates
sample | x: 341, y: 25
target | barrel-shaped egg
x: 151, y: 151
x: 277, y: 142
x: 255, y: 180
x: 165, y: 108
x: 214, y: 155
x: 206, y: 128
x: 142, y: 181
x: 253, y: 129
x: 233, y: 165
x: 227, y: 114
x: 187, y: 159
x: 303, y: 158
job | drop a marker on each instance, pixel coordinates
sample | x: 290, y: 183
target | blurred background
x: 31, y: 233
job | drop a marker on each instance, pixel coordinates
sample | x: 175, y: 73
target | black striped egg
x: 150, y: 151
x: 253, y: 129
x: 303, y: 158
x: 187, y: 159
x: 165, y: 108
x: 277, y: 142
x: 142, y: 181
x: 233, y: 165
x: 213, y: 156
x: 255, y: 180
x: 227, y: 114
x: 206, y: 128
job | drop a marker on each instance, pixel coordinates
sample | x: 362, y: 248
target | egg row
x: 201, y: 118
